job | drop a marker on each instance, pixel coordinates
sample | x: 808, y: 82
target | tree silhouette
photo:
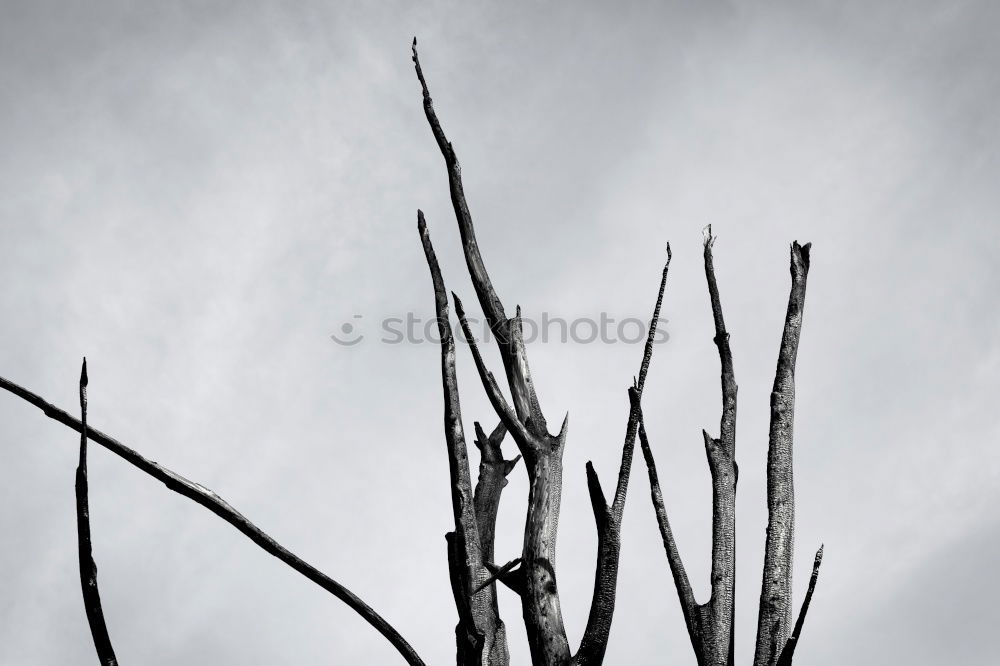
x: 481, y: 635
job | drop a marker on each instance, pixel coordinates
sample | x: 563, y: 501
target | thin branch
x: 608, y: 518
x: 717, y: 638
x: 524, y: 420
x: 488, y: 298
x: 647, y: 354
x: 501, y: 574
x: 208, y: 499
x: 88, y: 568
x: 727, y: 427
x: 507, y: 415
x: 484, y: 636
x: 510, y: 338
x: 684, y: 592
x: 789, y: 650
x: 774, y: 621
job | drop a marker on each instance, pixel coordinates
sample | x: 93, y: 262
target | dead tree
x: 710, y: 625
x: 534, y: 578
x: 481, y: 636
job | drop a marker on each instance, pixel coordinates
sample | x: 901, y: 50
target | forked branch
x: 493, y: 472
x: 717, y: 630
x: 524, y: 420
x: 710, y: 625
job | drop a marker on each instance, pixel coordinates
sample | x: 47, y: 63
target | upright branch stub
x: 480, y: 633
x: 524, y: 420
x: 774, y: 621
x: 88, y: 568
x: 493, y: 472
x: 608, y: 518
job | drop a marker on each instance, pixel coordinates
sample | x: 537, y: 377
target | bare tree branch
x: 608, y: 518
x: 789, y: 650
x: 727, y: 426
x: 485, y: 635
x: 208, y: 499
x: 633, y: 419
x: 543, y: 458
x: 523, y: 437
x: 493, y: 472
x: 510, y: 338
x: 480, y: 278
x: 717, y: 634
x: 689, y: 607
x: 88, y: 568
x: 775, y: 616
x: 710, y: 625
x: 542, y: 452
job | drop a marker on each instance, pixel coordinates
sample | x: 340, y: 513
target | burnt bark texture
x: 480, y: 633
x: 774, y: 620
x: 534, y: 577
x: 481, y: 637
x: 542, y: 451
x: 709, y: 625
x: 88, y: 568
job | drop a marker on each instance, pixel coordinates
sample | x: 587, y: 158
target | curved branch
x: 88, y: 569
x: 208, y: 499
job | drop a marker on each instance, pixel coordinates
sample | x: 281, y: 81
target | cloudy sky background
x: 195, y: 195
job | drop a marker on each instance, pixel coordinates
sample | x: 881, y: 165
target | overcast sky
x: 196, y: 195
